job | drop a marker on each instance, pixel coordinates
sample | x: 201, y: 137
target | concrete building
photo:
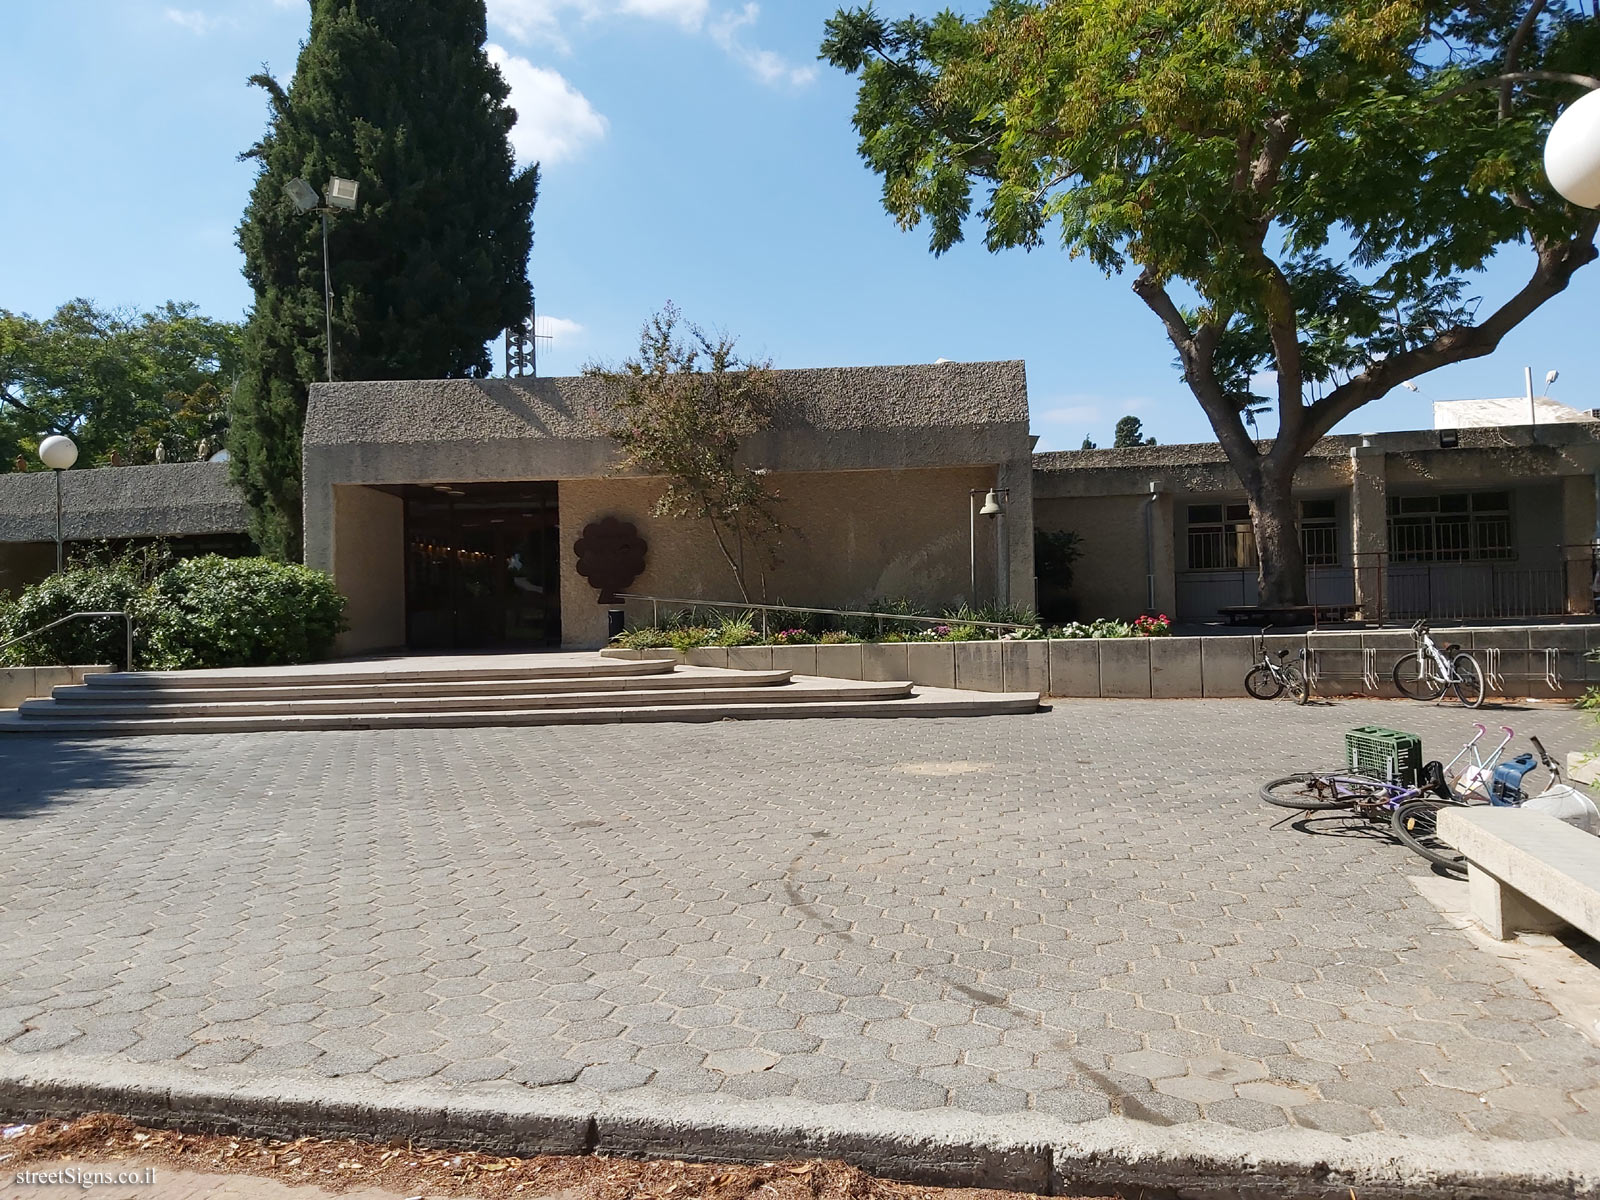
x: 189, y: 506
x: 1472, y: 523
x: 447, y: 511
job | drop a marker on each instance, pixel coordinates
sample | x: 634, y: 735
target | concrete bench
x: 1527, y: 872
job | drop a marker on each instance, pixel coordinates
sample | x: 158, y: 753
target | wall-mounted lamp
x: 1449, y: 439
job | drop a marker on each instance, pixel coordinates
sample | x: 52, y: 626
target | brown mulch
x: 340, y: 1164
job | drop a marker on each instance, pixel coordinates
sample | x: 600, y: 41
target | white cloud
x: 545, y: 22
x: 554, y: 120
x: 559, y: 330
x: 691, y: 14
x: 193, y: 20
x: 538, y: 20
x: 766, y: 65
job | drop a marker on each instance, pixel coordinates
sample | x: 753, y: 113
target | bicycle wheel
x: 1418, y: 678
x: 1320, y: 790
x: 1468, y: 681
x: 1416, y: 825
x: 1298, y: 686
x: 1262, y: 683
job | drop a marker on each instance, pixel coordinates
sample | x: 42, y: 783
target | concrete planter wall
x: 28, y: 683
x: 1167, y: 668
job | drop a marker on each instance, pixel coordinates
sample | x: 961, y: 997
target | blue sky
x: 693, y: 150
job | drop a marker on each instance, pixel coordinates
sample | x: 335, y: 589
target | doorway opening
x: 483, y: 566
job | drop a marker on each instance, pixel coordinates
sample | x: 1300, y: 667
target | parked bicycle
x: 1411, y: 809
x: 1416, y: 822
x: 1269, y: 679
x: 1426, y: 672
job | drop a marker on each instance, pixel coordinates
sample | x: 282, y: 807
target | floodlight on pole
x: 339, y: 197
x: 302, y: 195
x: 341, y: 193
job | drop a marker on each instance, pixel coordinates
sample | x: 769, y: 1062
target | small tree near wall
x: 685, y: 406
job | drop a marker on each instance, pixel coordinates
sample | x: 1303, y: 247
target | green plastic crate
x: 1385, y: 753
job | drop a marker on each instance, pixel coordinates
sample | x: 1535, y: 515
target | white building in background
x: 1507, y: 410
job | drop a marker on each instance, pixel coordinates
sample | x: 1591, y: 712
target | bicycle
x: 1374, y: 799
x: 1268, y: 680
x: 1425, y: 673
x: 1415, y: 821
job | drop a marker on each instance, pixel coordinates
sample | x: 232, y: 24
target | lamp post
x: 58, y: 453
x: 340, y: 197
x: 1572, y: 152
x: 994, y: 505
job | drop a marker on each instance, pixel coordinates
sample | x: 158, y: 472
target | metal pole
x: 127, y: 620
x: 1533, y: 413
x: 1002, y: 555
x: 972, y: 544
x: 60, y: 556
x: 327, y: 294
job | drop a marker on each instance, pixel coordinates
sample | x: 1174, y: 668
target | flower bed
x: 691, y: 631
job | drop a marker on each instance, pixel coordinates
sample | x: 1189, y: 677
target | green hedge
x: 202, y: 612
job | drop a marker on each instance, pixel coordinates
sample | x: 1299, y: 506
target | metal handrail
x: 657, y: 601
x: 127, y: 618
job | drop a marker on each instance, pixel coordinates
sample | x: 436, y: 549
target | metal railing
x: 656, y: 602
x: 127, y: 619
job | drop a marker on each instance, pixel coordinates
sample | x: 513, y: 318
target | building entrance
x: 483, y: 566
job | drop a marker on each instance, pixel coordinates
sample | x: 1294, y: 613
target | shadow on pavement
x: 38, y: 773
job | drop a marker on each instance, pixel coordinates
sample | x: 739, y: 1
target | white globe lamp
x: 1572, y: 152
x: 58, y: 453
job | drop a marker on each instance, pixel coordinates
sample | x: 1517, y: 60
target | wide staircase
x: 407, y: 693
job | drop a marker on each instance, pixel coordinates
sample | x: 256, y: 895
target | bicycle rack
x: 1491, y: 668
x: 1497, y: 675
x: 1552, y: 668
x: 1369, y: 670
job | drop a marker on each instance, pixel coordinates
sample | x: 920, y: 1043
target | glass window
x: 1451, y: 527
x: 1204, y: 512
x: 1317, y: 510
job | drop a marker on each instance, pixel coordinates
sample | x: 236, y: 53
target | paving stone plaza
x: 1075, y: 915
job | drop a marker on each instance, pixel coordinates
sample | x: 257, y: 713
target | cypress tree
x: 399, y: 96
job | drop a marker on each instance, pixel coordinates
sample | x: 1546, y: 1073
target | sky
x: 692, y: 150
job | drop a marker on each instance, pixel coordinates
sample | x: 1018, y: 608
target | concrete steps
x: 464, y: 692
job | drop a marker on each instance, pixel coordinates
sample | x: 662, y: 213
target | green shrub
x: 87, y: 640
x: 201, y: 612
x: 648, y: 638
x: 834, y: 637
x: 242, y: 612
x: 689, y: 637
x: 736, y: 631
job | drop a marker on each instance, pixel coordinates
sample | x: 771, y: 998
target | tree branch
x: 1557, y: 264
x: 1590, y: 82
x: 1514, y: 52
x: 7, y: 398
x: 1197, y: 351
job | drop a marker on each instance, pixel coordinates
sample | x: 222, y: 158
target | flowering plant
x: 1148, y: 626
x: 793, y: 637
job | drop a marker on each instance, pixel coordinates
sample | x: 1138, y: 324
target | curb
x: 1031, y: 1153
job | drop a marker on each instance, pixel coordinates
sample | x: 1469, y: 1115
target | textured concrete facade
x: 875, y: 465
x: 369, y: 562
x: 169, y: 500
x: 838, y: 549
x: 1549, y: 471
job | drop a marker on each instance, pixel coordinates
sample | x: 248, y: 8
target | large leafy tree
x: 400, y: 96
x: 1305, y: 189
x: 116, y: 382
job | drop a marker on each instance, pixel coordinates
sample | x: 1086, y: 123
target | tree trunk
x: 1272, y: 513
